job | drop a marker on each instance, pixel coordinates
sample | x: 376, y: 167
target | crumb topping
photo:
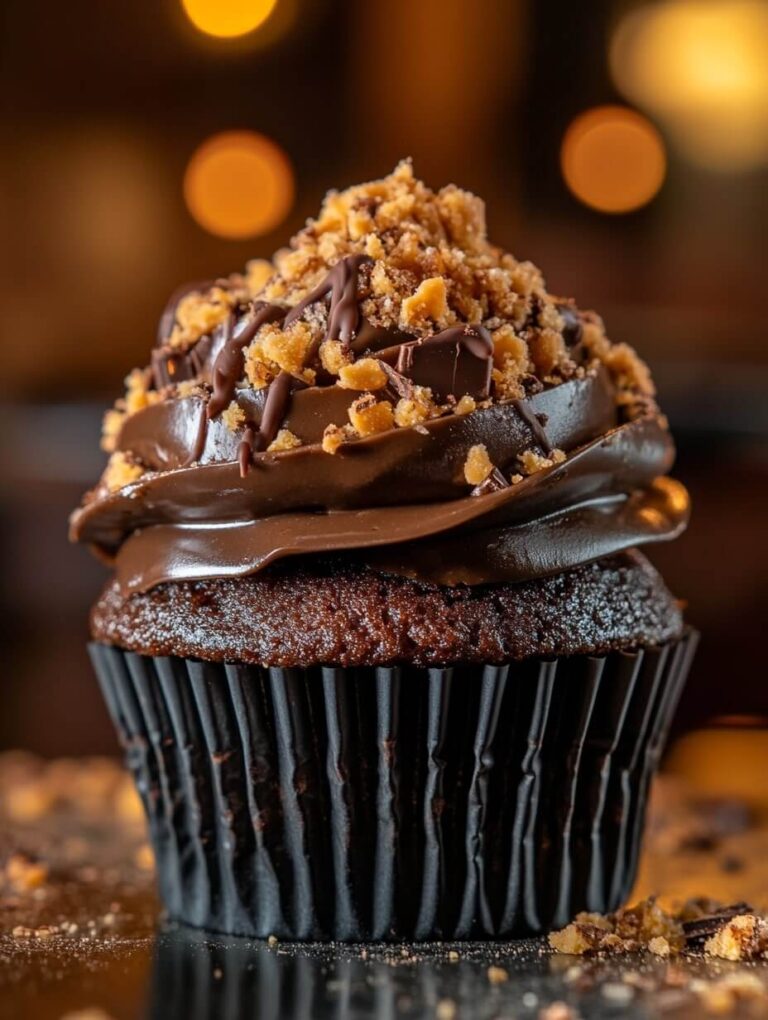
x: 423, y: 266
x: 121, y: 470
x: 284, y: 440
x: 478, y: 465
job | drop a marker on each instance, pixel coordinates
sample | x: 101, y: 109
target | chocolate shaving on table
x: 493, y: 483
x: 704, y: 927
x: 572, y: 324
x: 455, y: 362
x: 534, y: 423
x: 343, y: 310
x: 228, y: 368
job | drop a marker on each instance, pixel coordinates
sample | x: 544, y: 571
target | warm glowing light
x: 239, y: 184
x: 228, y: 18
x: 725, y: 762
x: 701, y: 66
x: 613, y: 159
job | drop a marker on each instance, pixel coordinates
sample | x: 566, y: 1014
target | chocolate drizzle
x: 276, y: 406
x: 245, y: 450
x: 275, y: 409
x: 170, y: 366
x: 455, y: 362
x: 168, y: 318
x: 343, y: 310
x: 197, y: 450
x: 533, y: 421
x: 228, y: 367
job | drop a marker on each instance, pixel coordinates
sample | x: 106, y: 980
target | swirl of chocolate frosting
x: 213, y: 501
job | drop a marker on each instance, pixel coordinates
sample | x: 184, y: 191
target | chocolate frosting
x: 209, y: 520
x: 216, y: 503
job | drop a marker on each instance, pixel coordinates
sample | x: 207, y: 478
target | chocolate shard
x: 704, y: 927
x: 455, y: 362
x: 493, y: 483
x: 398, y: 385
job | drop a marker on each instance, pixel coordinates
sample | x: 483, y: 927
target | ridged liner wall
x: 383, y: 804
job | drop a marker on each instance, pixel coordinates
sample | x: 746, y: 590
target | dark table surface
x: 82, y: 938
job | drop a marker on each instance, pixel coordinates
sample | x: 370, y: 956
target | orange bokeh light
x: 613, y: 159
x: 227, y: 19
x: 239, y: 184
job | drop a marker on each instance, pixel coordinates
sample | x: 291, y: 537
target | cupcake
x: 378, y: 642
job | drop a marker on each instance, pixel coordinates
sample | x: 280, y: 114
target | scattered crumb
x: 497, y: 975
x: 626, y: 930
x: 23, y: 874
x: 745, y: 937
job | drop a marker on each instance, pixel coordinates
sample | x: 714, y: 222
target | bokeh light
x: 742, y: 742
x: 239, y: 184
x: 613, y: 159
x: 227, y: 19
x: 701, y: 67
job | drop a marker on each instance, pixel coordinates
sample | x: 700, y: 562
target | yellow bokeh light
x: 613, y: 159
x: 239, y: 184
x: 701, y: 66
x: 226, y: 19
x: 698, y: 758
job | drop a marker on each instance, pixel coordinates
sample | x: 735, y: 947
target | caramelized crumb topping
x: 428, y: 265
x: 478, y: 465
x: 369, y: 415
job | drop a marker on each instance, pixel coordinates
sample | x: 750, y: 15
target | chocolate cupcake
x: 379, y: 645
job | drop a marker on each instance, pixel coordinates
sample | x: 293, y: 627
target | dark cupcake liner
x: 372, y: 803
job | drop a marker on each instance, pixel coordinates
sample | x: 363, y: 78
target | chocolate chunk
x: 456, y: 362
x: 535, y: 423
x: 572, y: 327
x: 703, y: 927
x: 493, y: 483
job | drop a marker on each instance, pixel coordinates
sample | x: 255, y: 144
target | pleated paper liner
x: 388, y: 804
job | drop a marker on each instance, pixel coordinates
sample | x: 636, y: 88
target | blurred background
x: 622, y: 146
